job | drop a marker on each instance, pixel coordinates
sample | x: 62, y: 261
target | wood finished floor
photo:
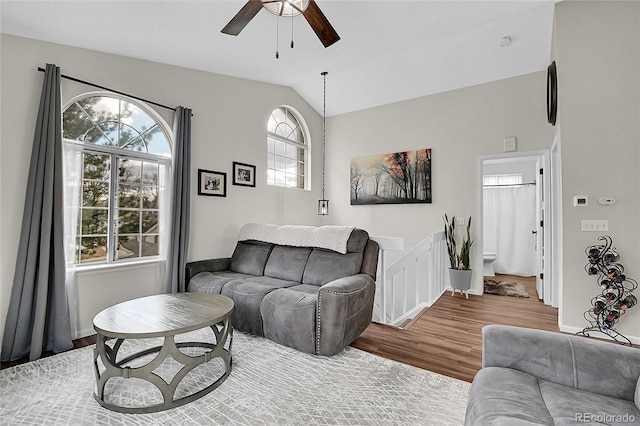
x: 77, y: 344
x: 445, y: 338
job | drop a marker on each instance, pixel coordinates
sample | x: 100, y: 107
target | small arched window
x: 123, y: 155
x: 287, y: 149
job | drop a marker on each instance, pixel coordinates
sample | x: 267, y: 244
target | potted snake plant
x: 460, y: 272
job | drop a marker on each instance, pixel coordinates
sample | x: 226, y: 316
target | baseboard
x: 84, y: 333
x: 573, y: 330
x: 410, y: 314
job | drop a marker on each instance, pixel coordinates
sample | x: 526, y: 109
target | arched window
x: 123, y: 153
x: 287, y: 149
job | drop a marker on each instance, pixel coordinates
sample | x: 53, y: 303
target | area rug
x: 270, y: 384
x: 505, y: 288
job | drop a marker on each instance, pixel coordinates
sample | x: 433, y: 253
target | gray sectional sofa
x: 312, y: 299
x: 535, y: 377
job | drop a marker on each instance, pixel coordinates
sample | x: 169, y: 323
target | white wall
x: 459, y: 126
x: 597, y: 48
x: 596, y: 45
x: 229, y: 124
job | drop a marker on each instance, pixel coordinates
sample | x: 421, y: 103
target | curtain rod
x: 509, y: 184
x: 111, y: 90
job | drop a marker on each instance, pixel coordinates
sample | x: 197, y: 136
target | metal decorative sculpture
x: 615, y: 298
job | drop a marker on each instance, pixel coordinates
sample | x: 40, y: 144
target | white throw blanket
x: 328, y: 237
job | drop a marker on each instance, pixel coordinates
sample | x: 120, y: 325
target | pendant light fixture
x: 323, y: 205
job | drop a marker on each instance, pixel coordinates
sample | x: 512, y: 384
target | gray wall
x: 459, y: 126
x: 598, y: 130
x: 229, y: 124
x: 599, y: 101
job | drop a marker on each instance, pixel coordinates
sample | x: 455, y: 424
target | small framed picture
x: 244, y: 174
x: 212, y: 183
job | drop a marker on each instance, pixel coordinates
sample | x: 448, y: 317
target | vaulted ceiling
x: 389, y: 50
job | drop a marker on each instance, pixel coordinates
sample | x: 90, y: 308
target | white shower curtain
x: 509, y: 218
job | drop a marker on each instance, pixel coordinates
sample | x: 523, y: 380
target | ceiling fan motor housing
x: 286, y: 7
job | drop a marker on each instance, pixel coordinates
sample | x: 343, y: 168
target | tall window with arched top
x: 287, y: 149
x: 122, y: 156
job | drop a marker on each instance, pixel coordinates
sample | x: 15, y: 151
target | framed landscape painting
x: 397, y: 178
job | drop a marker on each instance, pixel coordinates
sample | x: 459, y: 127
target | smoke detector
x: 505, y: 41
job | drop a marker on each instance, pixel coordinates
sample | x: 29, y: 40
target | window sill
x: 104, y: 267
x: 288, y: 187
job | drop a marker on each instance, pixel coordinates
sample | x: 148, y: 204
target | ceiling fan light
x: 286, y: 7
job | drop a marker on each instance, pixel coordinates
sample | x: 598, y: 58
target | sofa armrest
x: 350, y: 284
x: 345, y: 308
x: 209, y: 265
x: 579, y: 362
x: 370, y: 259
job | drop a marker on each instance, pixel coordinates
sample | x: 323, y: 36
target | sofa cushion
x: 325, y: 266
x: 569, y: 406
x: 493, y: 403
x: 250, y: 257
x: 573, y: 361
x: 357, y: 241
x: 619, y: 381
x: 289, y: 317
x: 247, y: 295
x: 287, y: 263
x: 306, y: 288
x: 212, y: 282
x: 637, y: 394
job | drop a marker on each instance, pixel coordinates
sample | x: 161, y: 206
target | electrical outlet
x: 595, y: 225
x: 460, y: 221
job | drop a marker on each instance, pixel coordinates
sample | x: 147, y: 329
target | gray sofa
x: 544, y: 378
x: 312, y: 299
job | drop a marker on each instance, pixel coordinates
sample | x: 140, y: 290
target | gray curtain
x: 179, y: 234
x: 38, y: 316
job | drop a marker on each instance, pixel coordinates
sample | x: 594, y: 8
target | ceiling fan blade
x: 320, y: 24
x: 243, y: 17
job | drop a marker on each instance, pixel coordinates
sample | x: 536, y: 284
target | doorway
x: 514, y: 216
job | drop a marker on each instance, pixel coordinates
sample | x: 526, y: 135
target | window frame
x: 305, y: 146
x: 116, y: 154
x: 503, y: 179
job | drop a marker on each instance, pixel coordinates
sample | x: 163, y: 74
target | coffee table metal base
x: 169, y: 348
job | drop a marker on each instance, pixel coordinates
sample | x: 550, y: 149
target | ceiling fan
x: 308, y: 8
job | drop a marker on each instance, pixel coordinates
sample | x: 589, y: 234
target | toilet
x: 489, y: 258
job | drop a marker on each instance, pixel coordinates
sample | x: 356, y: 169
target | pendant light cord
x: 277, y: 36
x: 324, y: 130
x: 292, y: 31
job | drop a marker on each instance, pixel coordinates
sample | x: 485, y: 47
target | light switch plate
x: 460, y: 221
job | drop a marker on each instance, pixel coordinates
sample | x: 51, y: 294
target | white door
x: 539, y: 231
x: 541, y: 228
x: 543, y: 240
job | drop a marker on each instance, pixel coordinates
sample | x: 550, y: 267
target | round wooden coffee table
x: 164, y: 315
